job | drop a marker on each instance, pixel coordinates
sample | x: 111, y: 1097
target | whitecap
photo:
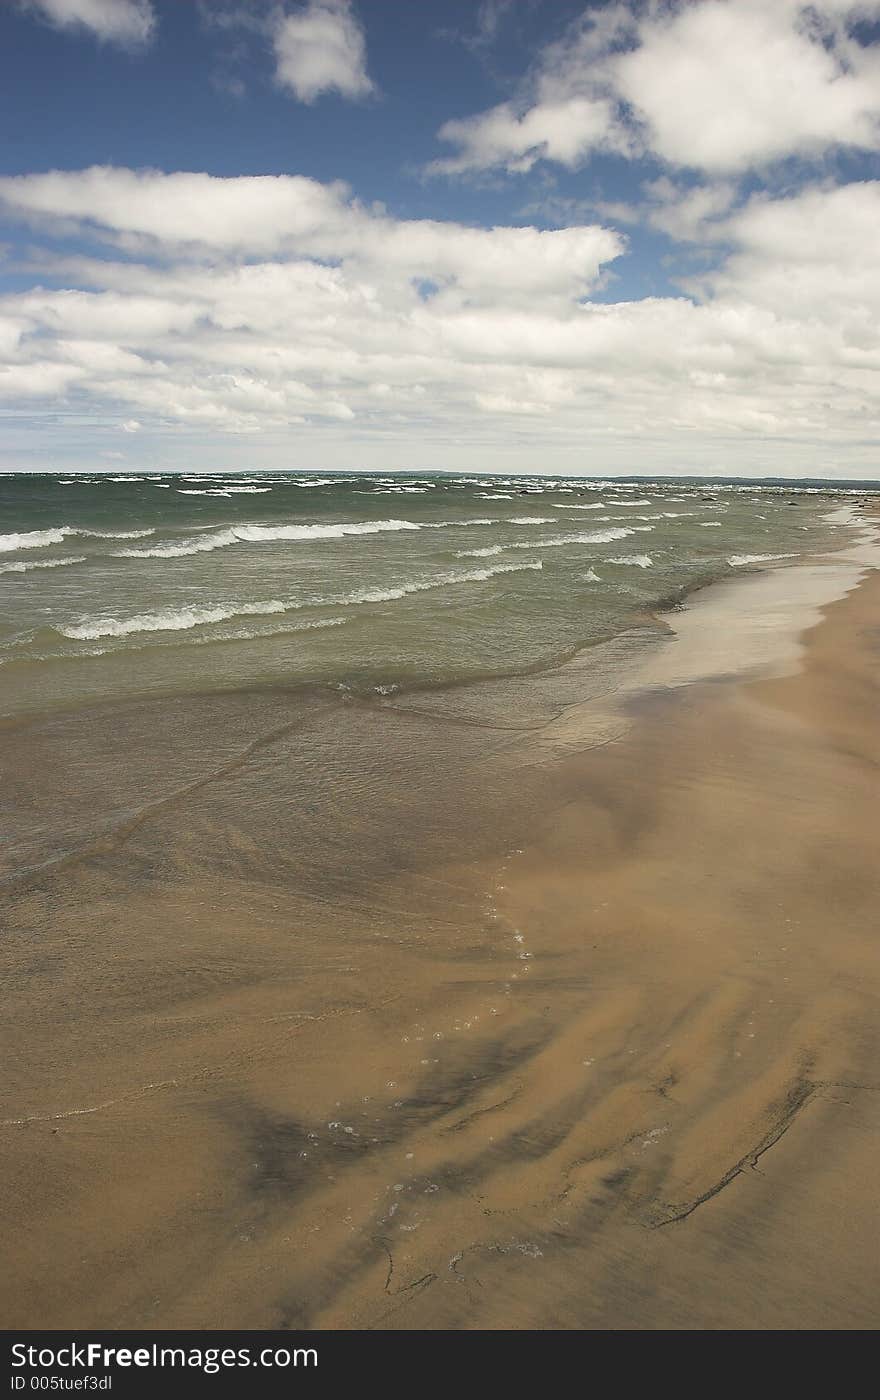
x: 265, y: 534
x: 387, y: 595
x: 168, y: 620
x: 116, y: 534
x: 737, y: 560
x: 26, y: 566
x: 569, y: 505
x: 34, y: 539
x: 555, y: 541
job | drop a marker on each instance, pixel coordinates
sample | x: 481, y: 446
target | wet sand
x: 569, y: 1027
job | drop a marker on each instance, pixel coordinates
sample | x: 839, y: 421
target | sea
x: 138, y: 585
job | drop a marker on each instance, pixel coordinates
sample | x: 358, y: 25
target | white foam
x: 34, y: 539
x: 182, y: 619
x: 531, y: 520
x: 225, y: 490
x: 641, y: 561
x: 263, y: 534
x: 486, y: 552
x: 737, y: 560
x: 115, y: 534
x: 43, y: 539
x: 387, y: 595
x: 168, y: 620
x: 26, y: 566
x: 554, y: 542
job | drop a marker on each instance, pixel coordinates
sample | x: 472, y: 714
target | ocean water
x: 152, y: 585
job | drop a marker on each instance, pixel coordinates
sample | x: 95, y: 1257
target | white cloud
x: 565, y: 112
x: 566, y: 131
x: 289, y: 214
x: 727, y: 86
x: 320, y: 49
x: 382, y: 335
x: 812, y: 254
x: 127, y: 22
x: 721, y: 86
x: 687, y: 214
x: 257, y: 213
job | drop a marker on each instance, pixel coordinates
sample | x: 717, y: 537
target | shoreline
x: 589, y: 1059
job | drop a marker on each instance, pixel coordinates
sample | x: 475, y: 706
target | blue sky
x: 512, y: 235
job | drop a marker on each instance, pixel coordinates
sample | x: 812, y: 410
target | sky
x: 629, y: 237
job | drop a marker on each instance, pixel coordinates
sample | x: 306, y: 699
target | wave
x: 168, y: 620
x: 590, y: 576
x: 386, y: 595
x: 259, y: 534
x: 25, y: 566
x: 35, y: 539
x: 569, y: 505
x: 182, y: 619
x: 737, y: 560
x: 658, y: 515
x: 115, y: 534
x: 230, y: 635
x: 43, y: 539
x: 555, y: 541
x: 640, y: 561
x: 263, y: 534
x: 531, y: 520
x: 710, y: 524
x: 226, y: 491
x: 487, y: 551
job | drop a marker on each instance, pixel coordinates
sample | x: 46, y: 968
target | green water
x: 121, y: 586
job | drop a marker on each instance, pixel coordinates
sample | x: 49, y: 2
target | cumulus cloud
x: 721, y: 86
x: 239, y: 307
x: 127, y: 22
x: 290, y: 214
x: 687, y: 213
x: 321, y: 48
x: 727, y: 86
x: 566, y: 111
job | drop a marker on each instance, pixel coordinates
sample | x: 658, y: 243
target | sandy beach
x: 579, y: 1032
